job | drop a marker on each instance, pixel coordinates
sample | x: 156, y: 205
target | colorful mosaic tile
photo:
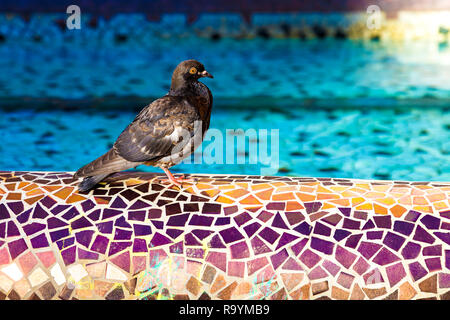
x: 225, y: 237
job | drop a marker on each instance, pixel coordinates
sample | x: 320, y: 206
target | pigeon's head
x: 189, y: 71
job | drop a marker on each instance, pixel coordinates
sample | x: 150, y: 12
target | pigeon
x: 164, y: 133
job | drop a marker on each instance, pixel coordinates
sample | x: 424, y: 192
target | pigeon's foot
x: 177, y: 181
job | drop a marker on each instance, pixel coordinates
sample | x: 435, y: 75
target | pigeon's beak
x: 205, y: 74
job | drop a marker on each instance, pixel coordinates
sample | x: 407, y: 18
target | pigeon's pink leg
x: 174, y: 180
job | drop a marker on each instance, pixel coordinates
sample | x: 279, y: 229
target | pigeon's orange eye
x: 193, y: 70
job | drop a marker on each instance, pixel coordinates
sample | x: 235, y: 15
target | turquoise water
x: 409, y: 144
x: 350, y: 109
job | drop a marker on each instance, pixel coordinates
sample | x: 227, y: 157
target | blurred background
x: 358, y: 89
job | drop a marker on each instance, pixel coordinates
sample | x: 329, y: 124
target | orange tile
x: 32, y: 200
x: 291, y: 280
x: 398, y: 211
x: 363, y: 186
x: 381, y: 188
x: 287, y: 189
x: 210, y: 193
x: 10, y: 186
x: 420, y: 201
x: 387, y: 201
x: 374, y: 195
x: 327, y: 205
x: 327, y: 196
x: 379, y: 209
x: 64, y: 192
x: 339, y: 294
x: 365, y: 206
x: 51, y: 188
x: 356, y: 201
x: 35, y: 192
x: 436, y: 197
x: 30, y: 187
x: 264, y: 195
x: 14, y: 196
x: 133, y: 182
x: 406, y: 291
x: 423, y: 209
x: 101, y: 200
x: 294, y: 205
x: 202, y: 186
x: 283, y: 196
x: 223, y: 199
x: 218, y: 283
x: 321, y: 189
x: 244, y: 288
x: 440, y: 206
x: 405, y: 200
x: 305, y: 197
x: 260, y: 186
x: 236, y: 193
x: 243, y: 185
x: 307, y: 189
x: 341, y: 202
x: 23, y: 184
x: 75, y: 198
x: 250, y: 200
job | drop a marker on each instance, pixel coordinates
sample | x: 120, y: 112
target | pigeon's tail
x: 89, y: 182
x: 102, y: 167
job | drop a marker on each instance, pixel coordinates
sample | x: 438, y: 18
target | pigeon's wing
x: 157, y: 129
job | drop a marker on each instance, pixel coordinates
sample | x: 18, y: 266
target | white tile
x: 57, y: 274
x: 37, y: 277
x: 13, y: 272
x: 77, y: 272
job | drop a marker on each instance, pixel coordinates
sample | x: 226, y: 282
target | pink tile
x: 27, y: 262
x: 47, y: 258
x: 122, y: 261
x: 139, y: 264
x: 4, y: 256
x: 236, y: 269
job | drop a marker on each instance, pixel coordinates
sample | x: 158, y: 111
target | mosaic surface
x: 225, y: 237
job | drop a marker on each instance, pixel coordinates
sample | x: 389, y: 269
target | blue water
x: 350, y: 109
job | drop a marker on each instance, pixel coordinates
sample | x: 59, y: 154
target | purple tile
x: 304, y: 228
x: 447, y: 259
x: 321, y: 229
x: 385, y: 257
x: 312, y: 207
x: 285, y: 239
x: 137, y: 215
x: 332, y: 268
x: 231, y: 235
x: 220, y: 221
x: 13, y: 231
x: 81, y: 223
x: 39, y: 212
x: 87, y: 205
x: 351, y: 224
x: 95, y: 215
x: 139, y: 204
x: 309, y: 258
x: 122, y: 222
x: 178, y: 220
x: 403, y: 227
x: 216, y: 242
x: 278, y: 258
x: 118, y: 203
x: 344, y: 257
x: 269, y: 235
x: 121, y: 234
x: 422, y: 235
x: 383, y: 221
x: 252, y: 228
x: 395, y: 273
x: 30, y: 229
x: 70, y: 214
x: 53, y: 223
x: 361, y: 266
x: 242, y: 218
x: 258, y: 246
x: 323, y: 246
x: 109, y: 213
x: 278, y: 222
x: 154, y: 213
x: 16, y: 207
x: 230, y: 210
x: 239, y: 250
x: 65, y: 243
x: 177, y: 248
x: 317, y: 273
x: 84, y: 237
x: 48, y: 202
x: 190, y: 240
x: 368, y: 249
x: 105, y: 227
x: 445, y: 214
x: 69, y: 255
x: 100, y: 244
x: 368, y: 225
x: 433, y: 264
x: 201, y: 234
x: 298, y: 247
x: 173, y: 233
x: 345, y: 280
x: 341, y: 234
x: 393, y: 241
x: 24, y: 216
x: 276, y: 206
x: 3, y: 230
x: 159, y: 240
x: 412, y: 216
x: 444, y: 236
x: 200, y: 220
x: 211, y: 208
x: 374, y: 235
x: 83, y: 254
x: 432, y: 250
x: 373, y: 277
x: 353, y: 240
x: 4, y: 213
x: 431, y: 222
x: 60, y: 208
x: 345, y: 211
x: 411, y: 250
x: 417, y: 270
x: 56, y: 235
x: 118, y: 246
x: 444, y: 280
x: 16, y: 248
x: 140, y: 245
x: 40, y: 241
